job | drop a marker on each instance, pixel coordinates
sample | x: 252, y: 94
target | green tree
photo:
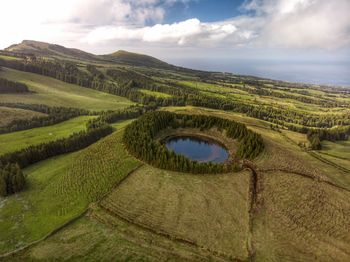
x: 3, y: 186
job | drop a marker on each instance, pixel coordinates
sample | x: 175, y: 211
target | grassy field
x: 103, y: 237
x: 53, y: 92
x: 61, y: 188
x: 33, y: 213
x: 339, y: 149
x: 21, y: 139
x: 91, y: 177
x: 301, y: 220
x: 7, y: 115
x: 209, y: 211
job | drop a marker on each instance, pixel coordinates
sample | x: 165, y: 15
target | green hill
x: 121, y: 56
x: 52, y: 92
x: 135, y: 59
x: 46, y: 49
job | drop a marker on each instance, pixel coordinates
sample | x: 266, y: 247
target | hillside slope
x: 129, y: 58
x: 46, y: 49
x: 120, y: 57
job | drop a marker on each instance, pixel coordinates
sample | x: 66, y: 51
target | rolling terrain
x: 52, y: 92
x: 100, y: 203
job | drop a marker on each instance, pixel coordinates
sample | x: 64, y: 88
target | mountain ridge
x: 121, y: 56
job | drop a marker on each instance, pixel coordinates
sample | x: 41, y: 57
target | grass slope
x: 33, y: 213
x: 61, y: 188
x: 102, y: 237
x: 209, y: 211
x: 21, y: 139
x: 53, y: 92
x: 339, y: 149
x: 301, y: 220
x: 95, y: 172
x: 7, y: 115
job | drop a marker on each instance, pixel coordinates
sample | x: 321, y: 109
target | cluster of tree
x: 115, y: 116
x: 76, y: 141
x: 54, y: 115
x: 124, y: 76
x: 12, y: 179
x: 315, y: 136
x: 259, y: 88
x: 7, y: 86
x: 10, y: 173
x: 139, y: 138
x: 95, y: 72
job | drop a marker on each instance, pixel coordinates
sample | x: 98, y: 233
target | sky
x: 310, y: 30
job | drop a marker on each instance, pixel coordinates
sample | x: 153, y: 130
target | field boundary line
x: 318, y: 156
x: 148, y: 228
x: 327, y: 154
x: 51, y: 233
x: 119, y: 182
x: 164, y: 234
x: 306, y: 176
x: 67, y: 223
x: 326, y: 161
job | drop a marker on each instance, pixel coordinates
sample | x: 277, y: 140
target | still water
x: 197, y: 149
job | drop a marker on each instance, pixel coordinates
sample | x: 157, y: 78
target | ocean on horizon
x: 322, y: 73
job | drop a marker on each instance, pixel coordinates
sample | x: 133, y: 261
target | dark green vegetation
x: 11, y: 179
x: 52, y: 115
x: 76, y: 141
x: 79, y: 199
x: 19, y: 140
x: 139, y: 138
x: 95, y: 130
x: 7, y: 86
x: 55, y: 93
x: 8, y: 115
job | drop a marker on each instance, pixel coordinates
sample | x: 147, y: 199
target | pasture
x: 11, y: 142
x: 51, y: 197
x: 53, y: 92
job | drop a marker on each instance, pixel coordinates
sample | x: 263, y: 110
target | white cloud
x: 274, y: 23
x: 302, y: 23
x: 263, y: 23
x: 65, y: 20
x: 191, y: 31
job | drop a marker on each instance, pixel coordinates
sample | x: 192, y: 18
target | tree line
x: 110, y: 117
x: 316, y: 136
x: 260, y: 89
x: 55, y: 115
x: 7, y: 86
x: 11, y: 176
x: 139, y: 139
x: 11, y: 179
x: 74, y: 142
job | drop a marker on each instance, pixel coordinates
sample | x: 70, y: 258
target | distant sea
x: 328, y: 73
